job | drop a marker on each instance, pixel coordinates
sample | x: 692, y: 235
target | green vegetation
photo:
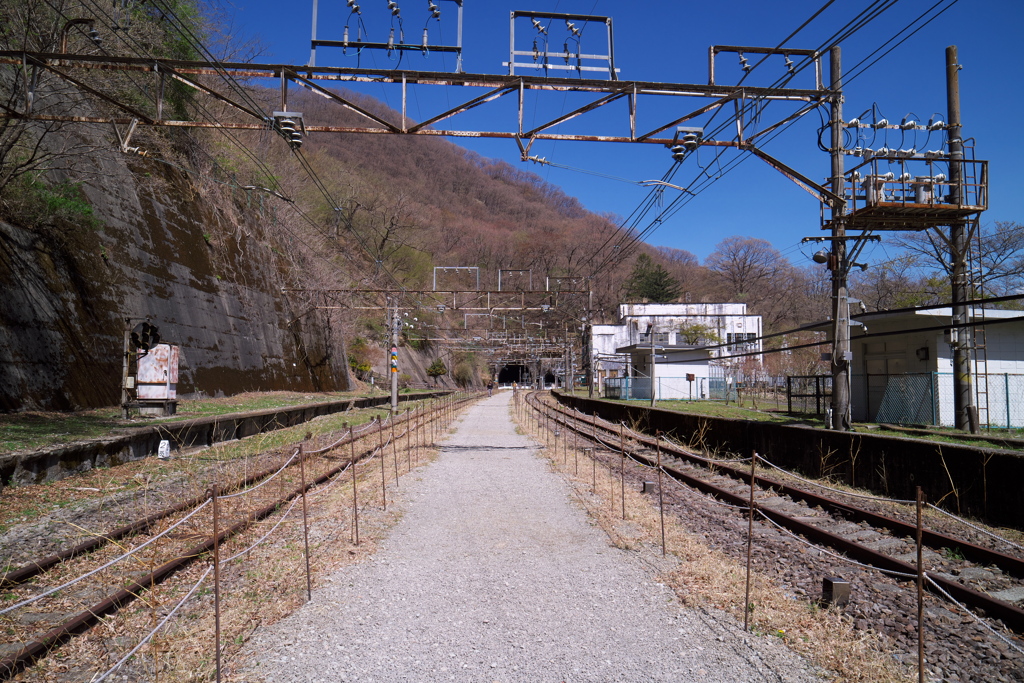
x: 40, y: 205
x: 732, y: 411
x: 650, y: 281
x: 437, y: 369
x: 738, y: 412
x: 30, y: 430
x: 696, y: 334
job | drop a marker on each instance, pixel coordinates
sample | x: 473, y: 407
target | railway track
x: 49, y: 600
x: 865, y: 535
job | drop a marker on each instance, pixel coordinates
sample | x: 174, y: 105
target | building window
x: 659, y: 338
x: 741, y: 342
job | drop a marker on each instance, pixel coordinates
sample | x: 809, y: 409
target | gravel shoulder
x: 495, y: 574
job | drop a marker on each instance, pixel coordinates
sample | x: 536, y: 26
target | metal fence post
x: 1006, y: 385
x: 750, y: 542
x: 394, y: 443
x: 622, y: 468
x: 305, y: 521
x: 355, y: 488
x: 214, y: 494
x: 920, y: 590
x: 661, y: 496
x: 383, y: 474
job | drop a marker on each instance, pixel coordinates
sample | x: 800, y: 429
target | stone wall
x: 195, y: 258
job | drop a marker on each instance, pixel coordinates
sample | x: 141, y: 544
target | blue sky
x: 659, y: 40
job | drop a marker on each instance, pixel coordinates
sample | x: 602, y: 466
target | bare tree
x: 998, y: 254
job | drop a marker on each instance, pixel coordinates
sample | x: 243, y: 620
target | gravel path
x: 494, y: 575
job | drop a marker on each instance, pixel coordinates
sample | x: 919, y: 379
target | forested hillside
x: 232, y: 240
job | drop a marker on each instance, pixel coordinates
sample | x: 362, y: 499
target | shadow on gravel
x: 488, y: 448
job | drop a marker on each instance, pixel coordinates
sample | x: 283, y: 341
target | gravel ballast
x: 493, y: 574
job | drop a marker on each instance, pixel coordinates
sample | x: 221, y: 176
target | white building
x: 641, y: 324
x: 906, y: 374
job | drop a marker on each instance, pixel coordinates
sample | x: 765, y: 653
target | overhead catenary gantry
x: 838, y: 195
x: 209, y: 79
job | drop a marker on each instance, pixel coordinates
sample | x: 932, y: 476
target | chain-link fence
x: 928, y: 399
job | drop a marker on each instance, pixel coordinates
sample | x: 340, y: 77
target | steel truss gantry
x: 220, y: 82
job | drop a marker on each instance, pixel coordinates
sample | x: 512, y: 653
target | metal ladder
x: 979, y: 346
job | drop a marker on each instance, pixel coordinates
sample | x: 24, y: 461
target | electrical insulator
x: 425, y: 43
x: 286, y: 126
x: 678, y: 152
x: 881, y: 123
x: 743, y: 63
x: 344, y: 36
x: 393, y: 6
x: 567, y: 53
x: 391, y: 41
x: 434, y: 10
x: 789, y: 64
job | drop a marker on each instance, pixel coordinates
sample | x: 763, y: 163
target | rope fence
x: 439, y: 415
x: 585, y: 425
x: 111, y: 563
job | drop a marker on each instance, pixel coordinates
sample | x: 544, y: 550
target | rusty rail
x: 16, y: 662
x: 1010, y: 615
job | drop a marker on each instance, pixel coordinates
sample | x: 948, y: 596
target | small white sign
x: 164, y: 451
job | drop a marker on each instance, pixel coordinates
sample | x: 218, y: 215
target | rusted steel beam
x: 577, y: 112
x: 342, y: 101
x: 248, y: 70
x: 466, y: 106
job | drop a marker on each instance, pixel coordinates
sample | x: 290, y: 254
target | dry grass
x: 705, y: 578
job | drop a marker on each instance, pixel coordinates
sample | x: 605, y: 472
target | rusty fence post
x: 750, y: 542
x: 661, y: 495
x: 305, y: 521
x: 565, y: 440
x: 394, y: 443
x: 383, y: 473
x: 214, y: 495
x: 920, y: 588
x: 593, y: 460
x: 408, y: 440
x: 622, y: 469
x: 355, y: 487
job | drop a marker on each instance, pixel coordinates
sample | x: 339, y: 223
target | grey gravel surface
x: 493, y: 574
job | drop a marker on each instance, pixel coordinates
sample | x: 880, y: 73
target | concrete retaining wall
x: 980, y: 482
x: 56, y: 463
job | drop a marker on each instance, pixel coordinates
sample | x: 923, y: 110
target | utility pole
x: 395, y: 326
x: 654, y: 389
x: 840, y: 264
x: 588, y: 341
x: 961, y: 335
